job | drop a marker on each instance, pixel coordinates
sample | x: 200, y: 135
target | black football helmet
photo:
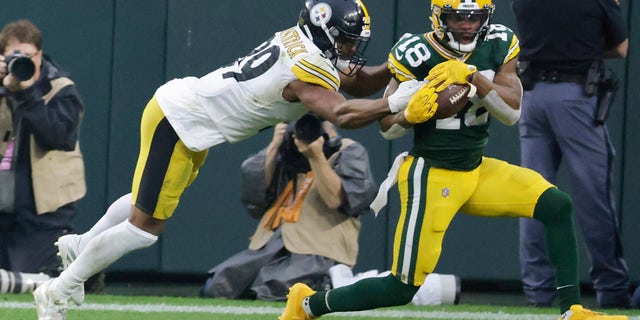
x: 340, y: 28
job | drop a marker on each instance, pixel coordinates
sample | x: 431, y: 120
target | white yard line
x: 385, y: 314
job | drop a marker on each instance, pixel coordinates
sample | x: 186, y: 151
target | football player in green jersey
x: 445, y: 172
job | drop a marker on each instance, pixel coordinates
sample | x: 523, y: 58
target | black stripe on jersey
x: 155, y: 169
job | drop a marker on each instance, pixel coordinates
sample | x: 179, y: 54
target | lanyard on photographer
x: 10, y: 154
x: 10, y: 132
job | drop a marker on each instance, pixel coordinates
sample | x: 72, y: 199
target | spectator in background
x: 40, y: 115
x: 561, y: 67
x: 309, y: 196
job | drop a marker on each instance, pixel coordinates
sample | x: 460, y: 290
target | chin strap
x: 307, y: 32
x: 463, y: 48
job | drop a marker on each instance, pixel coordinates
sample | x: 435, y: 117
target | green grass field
x: 110, y: 307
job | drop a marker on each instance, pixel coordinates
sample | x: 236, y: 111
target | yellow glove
x: 448, y: 72
x: 422, y: 105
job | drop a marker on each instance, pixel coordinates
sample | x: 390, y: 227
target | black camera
x: 306, y: 129
x: 20, y: 65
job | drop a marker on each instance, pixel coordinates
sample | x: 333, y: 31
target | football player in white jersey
x: 297, y: 70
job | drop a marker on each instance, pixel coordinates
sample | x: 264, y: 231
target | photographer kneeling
x: 309, y: 189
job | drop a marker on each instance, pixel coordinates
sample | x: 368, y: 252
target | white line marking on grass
x: 381, y: 313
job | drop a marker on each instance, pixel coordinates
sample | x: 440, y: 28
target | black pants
x: 26, y: 239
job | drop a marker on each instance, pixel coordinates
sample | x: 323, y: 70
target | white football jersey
x: 235, y: 102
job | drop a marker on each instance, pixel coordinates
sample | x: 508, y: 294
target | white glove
x: 398, y: 100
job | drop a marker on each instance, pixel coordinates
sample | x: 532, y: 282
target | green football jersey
x: 456, y: 142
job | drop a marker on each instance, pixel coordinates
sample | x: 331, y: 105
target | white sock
x: 117, y: 212
x: 307, y: 307
x: 102, y: 251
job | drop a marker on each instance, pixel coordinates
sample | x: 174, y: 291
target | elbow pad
x: 396, y: 131
x: 500, y: 109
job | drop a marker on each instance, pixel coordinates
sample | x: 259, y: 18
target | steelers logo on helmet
x: 340, y: 29
x: 320, y: 14
x: 461, y: 25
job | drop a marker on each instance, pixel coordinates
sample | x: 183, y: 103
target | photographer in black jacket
x: 40, y: 116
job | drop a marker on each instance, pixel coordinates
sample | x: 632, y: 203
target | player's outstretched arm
x: 334, y: 107
x: 357, y: 113
x: 320, y: 100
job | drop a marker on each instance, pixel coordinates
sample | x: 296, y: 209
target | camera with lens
x: 20, y: 65
x: 306, y: 129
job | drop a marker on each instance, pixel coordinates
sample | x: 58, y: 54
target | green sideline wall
x: 119, y: 52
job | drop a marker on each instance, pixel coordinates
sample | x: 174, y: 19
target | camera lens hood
x: 21, y: 67
x: 308, y: 128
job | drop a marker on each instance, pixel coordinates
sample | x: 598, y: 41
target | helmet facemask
x: 347, y: 52
x: 460, y: 40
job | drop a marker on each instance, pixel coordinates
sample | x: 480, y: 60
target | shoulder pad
x: 315, y: 68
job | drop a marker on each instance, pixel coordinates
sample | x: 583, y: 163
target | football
x: 452, y: 100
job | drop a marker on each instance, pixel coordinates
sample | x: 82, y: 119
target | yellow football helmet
x: 458, y: 10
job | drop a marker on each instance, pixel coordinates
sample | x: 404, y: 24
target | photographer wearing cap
x: 309, y: 187
x: 41, y: 168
